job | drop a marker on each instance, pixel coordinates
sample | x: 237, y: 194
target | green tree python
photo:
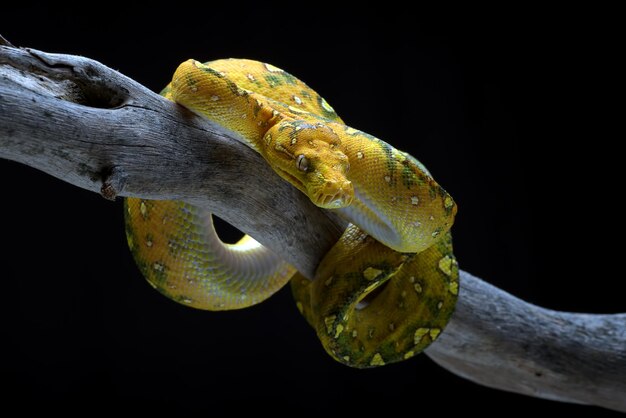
x: 386, y: 289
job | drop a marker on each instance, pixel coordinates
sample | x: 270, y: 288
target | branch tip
x: 113, y: 182
x: 5, y: 42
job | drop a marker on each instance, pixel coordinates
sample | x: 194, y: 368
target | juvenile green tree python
x: 385, y: 290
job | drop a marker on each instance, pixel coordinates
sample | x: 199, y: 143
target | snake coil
x: 386, y: 289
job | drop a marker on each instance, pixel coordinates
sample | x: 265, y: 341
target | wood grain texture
x: 90, y: 126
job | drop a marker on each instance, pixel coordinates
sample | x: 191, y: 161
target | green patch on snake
x: 409, y: 178
x: 390, y: 162
x: 166, y: 90
x: 273, y: 80
x: 191, y: 82
x: 205, y: 67
x: 289, y: 78
x: 232, y: 86
x: 356, y: 133
x: 432, y: 193
x: 327, y: 110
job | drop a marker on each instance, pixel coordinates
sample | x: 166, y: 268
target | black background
x: 518, y: 120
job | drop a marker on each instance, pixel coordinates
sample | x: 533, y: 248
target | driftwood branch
x: 88, y: 125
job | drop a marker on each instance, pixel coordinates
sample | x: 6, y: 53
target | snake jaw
x: 333, y: 194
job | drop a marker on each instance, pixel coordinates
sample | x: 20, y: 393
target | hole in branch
x: 93, y: 88
x: 98, y: 95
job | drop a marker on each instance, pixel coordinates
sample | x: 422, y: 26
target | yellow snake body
x: 384, y: 291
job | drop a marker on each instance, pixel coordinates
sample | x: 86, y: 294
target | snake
x: 382, y: 293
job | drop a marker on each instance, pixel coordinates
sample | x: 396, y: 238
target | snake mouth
x: 334, y: 194
x: 338, y: 200
x: 330, y: 195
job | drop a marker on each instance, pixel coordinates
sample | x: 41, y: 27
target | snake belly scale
x: 388, y: 287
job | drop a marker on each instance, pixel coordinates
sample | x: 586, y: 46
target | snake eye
x: 302, y: 163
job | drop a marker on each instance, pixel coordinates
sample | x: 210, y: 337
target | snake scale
x: 385, y: 290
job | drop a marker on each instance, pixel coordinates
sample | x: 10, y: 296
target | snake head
x: 309, y: 156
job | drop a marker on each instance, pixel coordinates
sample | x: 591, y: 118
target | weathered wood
x: 503, y: 342
x: 88, y: 125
